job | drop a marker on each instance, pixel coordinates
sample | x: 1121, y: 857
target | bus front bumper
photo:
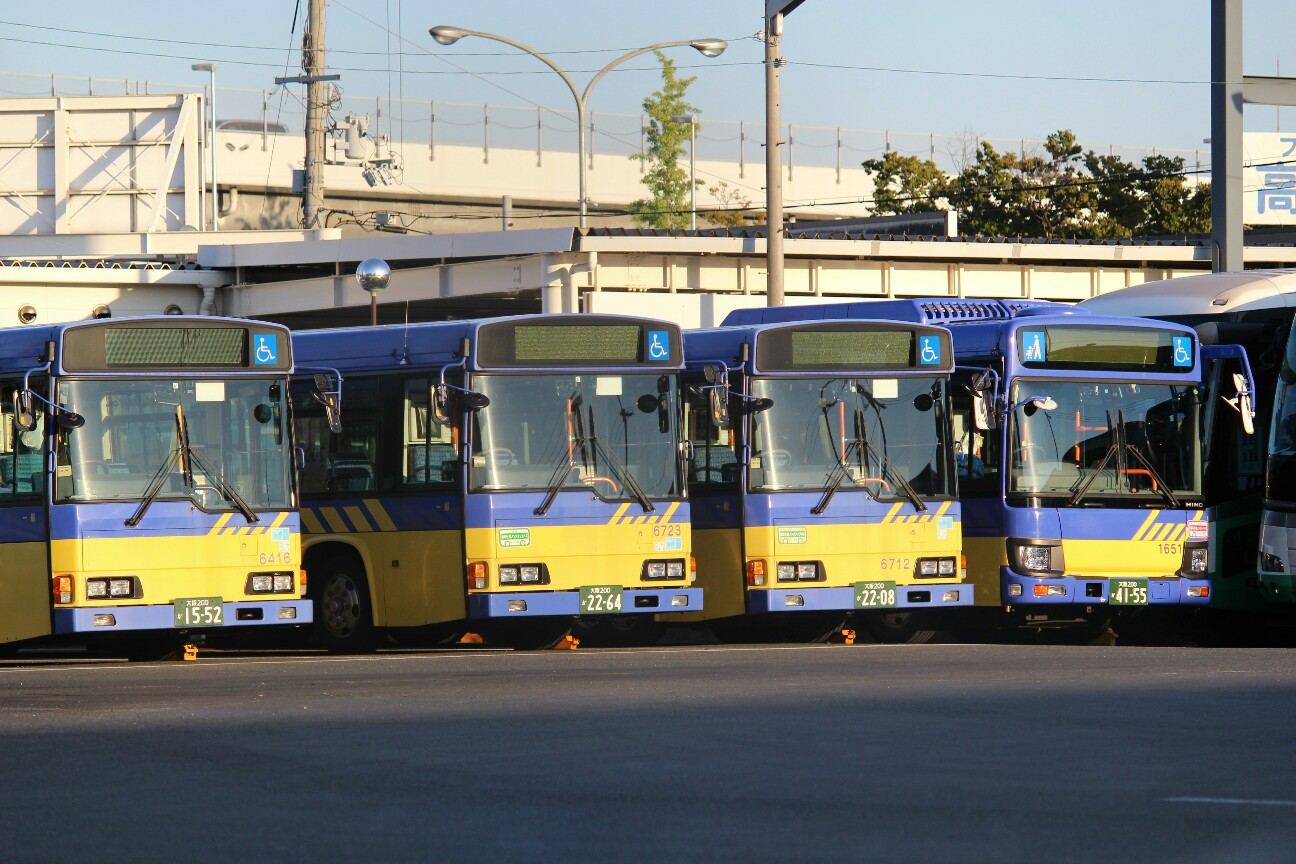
x: 926, y: 595
x: 1019, y: 590
x: 634, y: 601
x: 116, y: 619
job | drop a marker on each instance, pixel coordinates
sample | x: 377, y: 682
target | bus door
x: 25, y: 600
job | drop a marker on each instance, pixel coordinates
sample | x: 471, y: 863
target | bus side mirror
x: 1244, y: 403
x: 441, y: 404
x: 24, y: 417
x: 982, y: 411
x: 331, y: 399
x: 718, y: 392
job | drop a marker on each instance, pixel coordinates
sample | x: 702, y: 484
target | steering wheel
x: 90, y: 466
x: 1030, y: 454
x: 500, y: 456
x: 777, y: 458
x: 591, y: 479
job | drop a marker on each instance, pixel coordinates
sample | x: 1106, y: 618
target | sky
x: 1124, y: 72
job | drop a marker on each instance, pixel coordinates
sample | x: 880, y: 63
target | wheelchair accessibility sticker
x: 659, y: 345
x: 1183, y: 351
x: 929, y: 350
x: 265, y: 349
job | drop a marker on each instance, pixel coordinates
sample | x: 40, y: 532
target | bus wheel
x: 895, y: 628
x: 343, y: 613
x: 535, y: 634
x: 623, y: 631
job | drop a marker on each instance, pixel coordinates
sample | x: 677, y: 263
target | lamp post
x: 445, y: 34
x: 373, y: 274
x: 215, y: 204
x: 692, y: 121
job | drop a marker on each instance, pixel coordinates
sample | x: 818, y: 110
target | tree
x: 735, y: 207
x: 905, y: 184
x: 1061, y: 191
x: 668, y: 183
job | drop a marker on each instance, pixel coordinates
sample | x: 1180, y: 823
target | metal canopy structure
x: 1230, y: 90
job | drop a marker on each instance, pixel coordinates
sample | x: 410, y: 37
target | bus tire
x: 343, y: 610
x: 895, y: 627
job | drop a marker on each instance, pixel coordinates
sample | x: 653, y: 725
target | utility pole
x: 775, y: 10
x: 316, y: 105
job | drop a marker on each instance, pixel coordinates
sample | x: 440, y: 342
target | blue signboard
x: 929, y: 350
x: 659, y: 345
x: 265, y: 349
x: 1034, y: 346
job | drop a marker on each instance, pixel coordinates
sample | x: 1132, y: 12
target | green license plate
x: 199, y: 612
x: 600, y: 599
x: 1127, y: 592
x: 875, y: 595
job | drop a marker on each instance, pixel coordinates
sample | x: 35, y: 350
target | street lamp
x: 692, y: 121
x: 215, y: 205
x: 444, y: 34
x: 373, y: 274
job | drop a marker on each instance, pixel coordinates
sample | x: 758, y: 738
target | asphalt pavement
x: 936, y: 753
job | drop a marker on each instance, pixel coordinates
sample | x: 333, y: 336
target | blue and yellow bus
x: 822, y: 475
x: 1079, y: 454
x: 146, y: 481
x: 1250, y: 499
x: 508, y: 477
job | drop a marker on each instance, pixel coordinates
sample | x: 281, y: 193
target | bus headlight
x: 102, y: 589
x: 929, y: 567
x: 1035, y: 556
x: 508, y: 575
x: 1196, y: 559
x: 798, y: 571
x: 523, y: 574
x: 662, y: 571
x: 279, y: 582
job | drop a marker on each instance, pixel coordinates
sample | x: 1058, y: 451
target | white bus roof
x: 1208, y: 294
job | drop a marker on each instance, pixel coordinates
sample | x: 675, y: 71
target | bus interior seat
x: 350, y: 472
x: 427, y: 463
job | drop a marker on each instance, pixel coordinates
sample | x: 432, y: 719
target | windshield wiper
x: 1117, y: 449
x: 591, y: 447
x: 187, y: 457
x: 861, y: 443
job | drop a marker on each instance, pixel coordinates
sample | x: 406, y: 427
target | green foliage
x: 668, y: 184
x: 1061, y: 192
x: 905, y: 184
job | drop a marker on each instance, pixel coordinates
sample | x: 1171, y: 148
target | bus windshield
x: 1090, y: 441
x: 221, y: 444
x: 1281, y: 468
x: 883, y: 436
x: 612, y: 434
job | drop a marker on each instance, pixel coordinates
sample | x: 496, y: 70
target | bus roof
x: 926, y: 310
x: 425, y: 344
x: 1210, y: 294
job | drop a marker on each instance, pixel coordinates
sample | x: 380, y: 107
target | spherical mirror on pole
x: 373, y: 274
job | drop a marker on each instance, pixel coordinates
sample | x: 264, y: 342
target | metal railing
x: 418, y: 127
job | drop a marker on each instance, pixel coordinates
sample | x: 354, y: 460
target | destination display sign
x: 578, y: 343
x: 1116, y: 349
x: 193, y: 346
x: 845, y: 346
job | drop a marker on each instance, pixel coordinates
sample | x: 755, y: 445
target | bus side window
x: 428, y: 451
x: 22, y: 454
x: 976, y: 451
x: 713, y: 462
x: 338, y: 463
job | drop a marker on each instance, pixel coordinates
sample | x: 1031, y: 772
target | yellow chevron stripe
x: 311, y: 520
x: 279, y: 520
x: 358, y: 519
x: 220, y: 524
x: 1179, y: 535
x: 895, y: 508
x: 620, y: 511
x: 670, y: 511
x: 944, y: 506
x: 379, y: 514
x: 1138, y: 535
x: 334, y: 520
